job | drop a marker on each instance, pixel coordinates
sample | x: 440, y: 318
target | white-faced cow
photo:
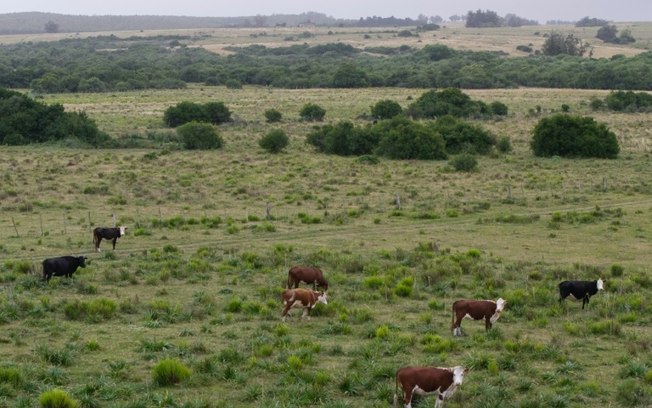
x: 112, y: 234
x: 305, y: 298
x: 476, y: 310
x: 62, y: 266
x: 580, y: 290
x: 441, y: 382
x: 307, y: 274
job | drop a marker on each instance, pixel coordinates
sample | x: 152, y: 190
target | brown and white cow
x: 476, y: 310
x: 308, y: 274
x: 299, y: 297
x: 438, y: 381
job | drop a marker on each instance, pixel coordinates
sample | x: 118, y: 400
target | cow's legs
x: 286, y: 309
x: 407, y: 398
x: 306, y: 312
x: 439, y: 401
x: 97, y: 244
x: 487, y: 322
x: 585, y: 300
x: 457, y: 326
x: 114, y: 240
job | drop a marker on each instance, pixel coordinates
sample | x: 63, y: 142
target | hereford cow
x: 476, y: 310
x: 441, y: 382
x: 62, y: 266
x: 305, y: 298
x: 580, y: 290
x: 112, y: 234
x: 307, y: 274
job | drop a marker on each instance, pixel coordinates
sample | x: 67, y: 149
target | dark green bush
x: 449, y: 101
x: 461, y: 136
x: 312, y: 113
x: 275, y: 141
x: 195, y: 135
x: 185, y: 112
x: 504, y: 145
x: 498, y: 108
x: 573, y: 136
x: 273, y: 116
x: 386, y: 109
x: 629, y: 101
x: 401, y: 138
x: 343, y: 139
x: 464, y: 162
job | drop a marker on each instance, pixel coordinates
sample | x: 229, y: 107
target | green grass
x: 198, y: 277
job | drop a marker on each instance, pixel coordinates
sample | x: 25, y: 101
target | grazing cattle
x: 305, y: 298
x: 441, y: 382
x: 476, y: 310
x: 113, y: 234
x: 307, y: 274
x: 580, y: 290
x: 62, y: 266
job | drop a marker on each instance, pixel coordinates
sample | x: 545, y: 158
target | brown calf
x: 307, y: 274
x: 476, y: 310
x: 441, y: 382
x: 305, y: 298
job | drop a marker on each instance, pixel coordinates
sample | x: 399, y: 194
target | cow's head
x: 321, y: 298
x: 500, y: 305
x: 600, y: 284
x: 82, y: 261
x: 458, y: 374
x: 123, y: 230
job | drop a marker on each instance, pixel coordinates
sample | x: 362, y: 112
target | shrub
x: 573, y: 136
x: 343, y: 139
x: 170, y: 371
x: 464, y: 162
x: 449, y: 101
x: 498, y: 108
x: 504, y: 145
x: 312, y: 113
x: 273, y: 116
x: 216, y: 112
x: 401, y: 138
x: 233, y: 83
x: 185, y: 112
x: 57, y: 398
x: 386, y: 109
x: 628, y: 101
x: 195, y: 135
x: 275, y: 141
x: 461, y: 136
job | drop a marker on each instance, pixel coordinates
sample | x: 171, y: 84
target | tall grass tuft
x: 57, y: 398
x: 170, y: 372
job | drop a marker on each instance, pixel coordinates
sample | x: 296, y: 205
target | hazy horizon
x: 627, y: 10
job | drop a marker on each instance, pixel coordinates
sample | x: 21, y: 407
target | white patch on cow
x: 600, y: 284
x: 322, y: 299
x: 500, y: 305
x: 457, y: 331
x: 122, y: 230
x: 458, y: 375
x: 420, y: 391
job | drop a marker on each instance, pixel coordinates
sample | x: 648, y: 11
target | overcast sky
x: 541, y: 10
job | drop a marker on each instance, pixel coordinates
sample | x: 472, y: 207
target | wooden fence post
x: 15, y: 228
x: 65, y: 228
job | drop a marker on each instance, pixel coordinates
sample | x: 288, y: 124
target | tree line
x: 112, y: 64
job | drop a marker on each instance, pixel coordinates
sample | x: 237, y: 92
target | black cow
x: 62, y: 266
x: 580, y: 290
x: 112, y: 234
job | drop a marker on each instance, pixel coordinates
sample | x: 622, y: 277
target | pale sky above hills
x: 541, y: 10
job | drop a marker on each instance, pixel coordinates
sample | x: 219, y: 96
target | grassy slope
x: 198, y: 293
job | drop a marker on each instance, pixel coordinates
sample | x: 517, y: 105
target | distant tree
x: 217, y: 113
x: 51, y: 27
x: 184, y: 112
x: 454, y: 18
x: 626, y: 37
x: 386, y: 109
x: 482, y: 18
x: 274, y: 141
x: 512, y: 20
x: 436, y: 19
x: 591, y: 22
x: 349, y: 76
x: 557, y: 44
x: 402, y: 138
x: 608, y: 33
x: 312, y: 112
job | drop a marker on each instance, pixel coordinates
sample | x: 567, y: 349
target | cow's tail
x: 289, y: 279
x: 96, y: 240
x: 453, y: 317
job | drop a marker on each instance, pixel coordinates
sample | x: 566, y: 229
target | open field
x: 454, y: 35
x: 198, y: 276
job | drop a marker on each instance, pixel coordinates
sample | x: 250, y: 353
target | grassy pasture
x: 454, y: 35
x: 198, y: 276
